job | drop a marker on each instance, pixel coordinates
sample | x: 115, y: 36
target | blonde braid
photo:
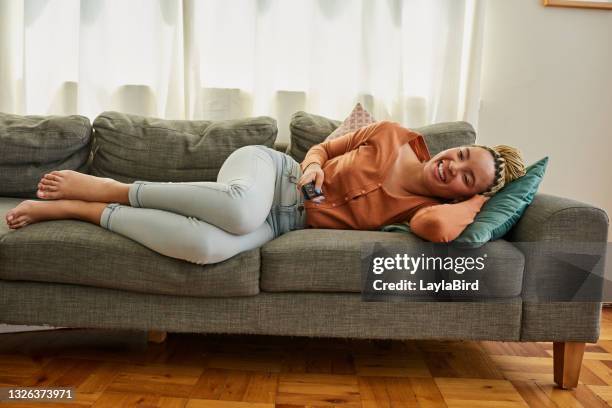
x: 509, y: 166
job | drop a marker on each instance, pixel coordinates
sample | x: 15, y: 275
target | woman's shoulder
x: 393, y: 135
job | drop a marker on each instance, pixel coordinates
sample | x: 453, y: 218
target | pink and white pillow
x: 358, y: 118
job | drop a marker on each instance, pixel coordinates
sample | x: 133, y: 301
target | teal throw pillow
x: 504, y: 209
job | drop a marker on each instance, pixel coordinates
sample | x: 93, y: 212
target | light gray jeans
x: 254, y: 200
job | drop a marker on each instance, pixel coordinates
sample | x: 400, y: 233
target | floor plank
x: 473, y: 392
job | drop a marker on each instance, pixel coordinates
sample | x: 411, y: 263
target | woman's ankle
x: 120, y: 193
x: 89, y: 211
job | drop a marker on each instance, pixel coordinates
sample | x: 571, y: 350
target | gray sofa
x: 305, y: 283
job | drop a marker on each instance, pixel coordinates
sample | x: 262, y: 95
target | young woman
x: 377, y: 175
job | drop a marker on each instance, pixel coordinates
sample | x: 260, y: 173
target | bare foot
x: 72, y: 185
x: 29, y: 212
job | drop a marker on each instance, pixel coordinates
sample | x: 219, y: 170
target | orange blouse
x: 355, y: 166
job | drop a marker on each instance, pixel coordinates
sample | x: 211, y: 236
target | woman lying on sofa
x: 380, y: 174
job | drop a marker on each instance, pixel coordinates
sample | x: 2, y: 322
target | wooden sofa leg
x: 155, y: 336
x: 567, y: 358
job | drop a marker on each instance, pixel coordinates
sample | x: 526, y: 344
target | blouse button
x: 379, y: 184
x: 334, y: 204
x: 362, y: 191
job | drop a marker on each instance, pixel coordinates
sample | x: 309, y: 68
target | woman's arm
x: 444, y: 222
x: 329, y: 149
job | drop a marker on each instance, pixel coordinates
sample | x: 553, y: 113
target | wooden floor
x: 116, y: 369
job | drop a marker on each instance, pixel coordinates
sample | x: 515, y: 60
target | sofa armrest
x: 564, y: 243
x: 552, y: 218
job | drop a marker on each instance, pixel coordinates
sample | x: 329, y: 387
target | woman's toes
x: 51, y: 178
x: 20, y: 224
x: 48, y: 194
x: 49, y: 181
x: 48, y: 188
x: 22, y: 214
x: 16, y: 219
x: 58, y: 173
x: 51, y: 187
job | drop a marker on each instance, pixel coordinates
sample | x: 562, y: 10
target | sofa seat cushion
x: 76, y: 252
x: 325, y: 260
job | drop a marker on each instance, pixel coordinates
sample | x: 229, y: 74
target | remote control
x: 309, y: 191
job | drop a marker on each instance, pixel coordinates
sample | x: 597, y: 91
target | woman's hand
x: 313, y: 172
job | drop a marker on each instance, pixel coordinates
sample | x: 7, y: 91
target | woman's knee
x: 244, y: 213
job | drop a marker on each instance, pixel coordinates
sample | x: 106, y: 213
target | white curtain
x: 413, y: 61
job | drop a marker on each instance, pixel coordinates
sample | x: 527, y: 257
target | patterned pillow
x: 358, y: 118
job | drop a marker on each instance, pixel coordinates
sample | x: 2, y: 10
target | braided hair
x: 509, y: 166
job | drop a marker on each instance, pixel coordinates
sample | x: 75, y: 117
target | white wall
x: 547, y: 89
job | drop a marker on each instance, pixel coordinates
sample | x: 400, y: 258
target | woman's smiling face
x: 460, y: 172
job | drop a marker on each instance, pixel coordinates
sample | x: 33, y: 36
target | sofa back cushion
x: 308, y: 130
x: 130, y: 147
x: 31, y: 146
